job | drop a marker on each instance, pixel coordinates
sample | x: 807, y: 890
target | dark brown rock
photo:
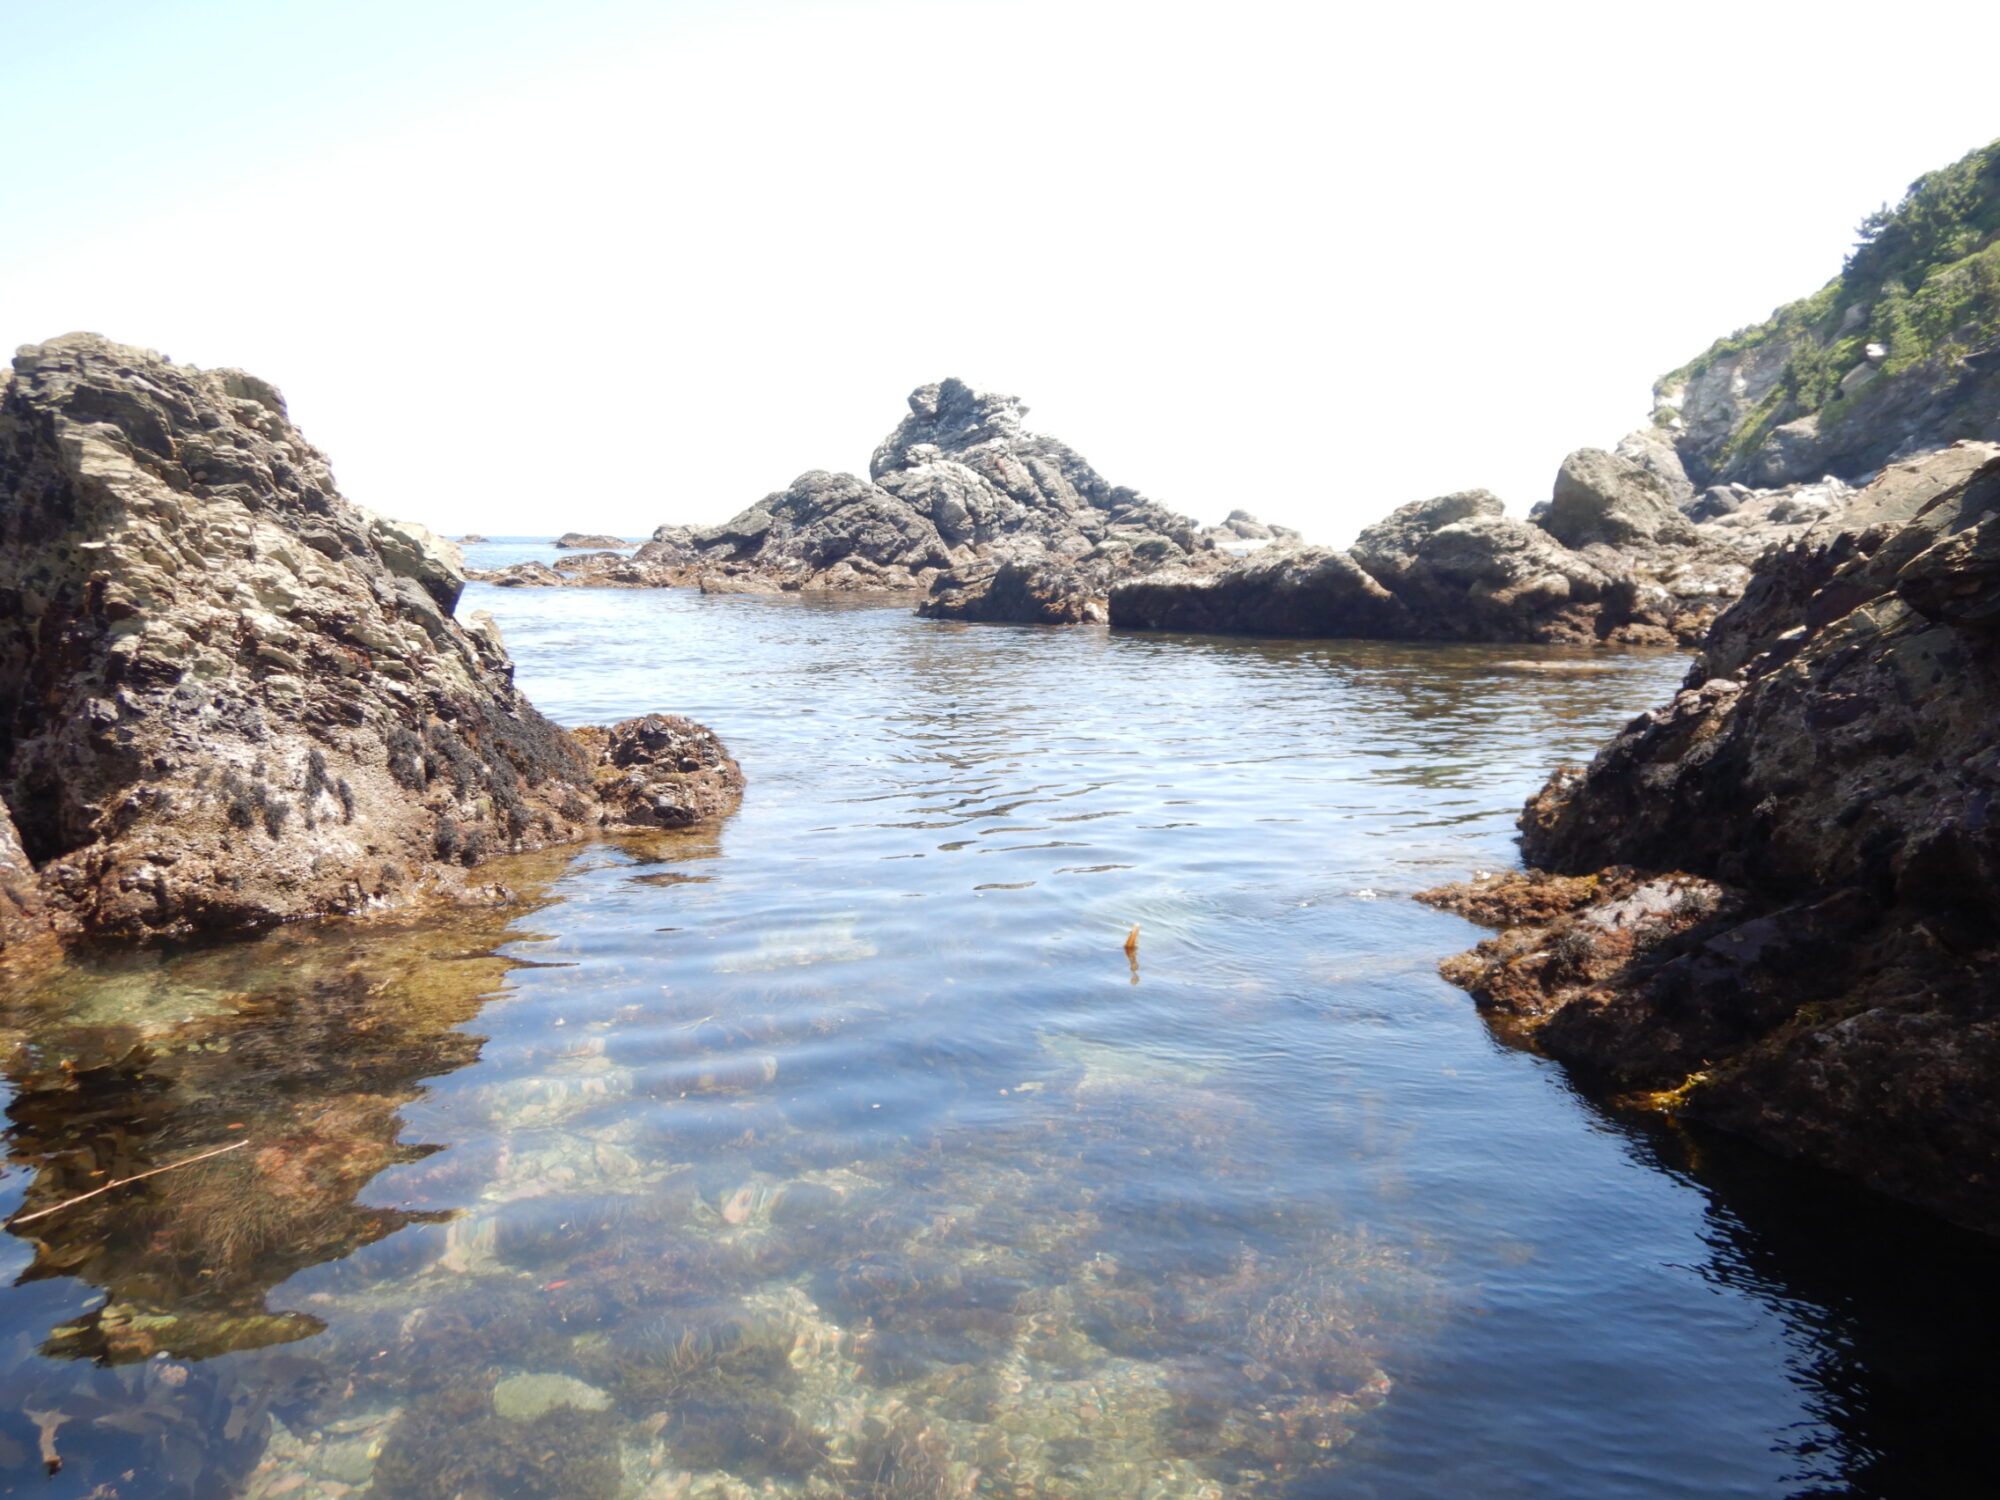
x: 1839, y: 1003
x: 660, y: 771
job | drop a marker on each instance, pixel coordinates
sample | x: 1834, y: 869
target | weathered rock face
x: 1834, y: 794
x: 1275, y: 591
x: 1602, y: 498
x: 660, y: 771
x: 590, y: 539
x: 960, y: 489
x: 1451, y: 569
x: 825, y: 531
x: 227, y: 695
x: 1241, y: 526
x: 1609, y: 557
x: 1465, y: 571
x: 1652, y: 449
x: 1019, y: 593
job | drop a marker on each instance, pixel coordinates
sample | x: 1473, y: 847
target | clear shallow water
x: 843, y: 1152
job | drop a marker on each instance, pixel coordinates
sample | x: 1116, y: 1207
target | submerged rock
x: 228, y: 696
x: 522, y: 1398
x: 1830, y: 772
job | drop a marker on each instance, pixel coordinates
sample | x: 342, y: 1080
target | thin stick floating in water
x: 42, y: 1213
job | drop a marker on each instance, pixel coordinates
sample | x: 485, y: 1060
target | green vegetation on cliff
x: 1923, y: 283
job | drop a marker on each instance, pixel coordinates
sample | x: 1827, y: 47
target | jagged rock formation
x: 959, y: 488
x: 1634, y: 571
x: 1897, y: 355
x: 960, y: 495
x: 227, y: 695
x: 1816, y: 968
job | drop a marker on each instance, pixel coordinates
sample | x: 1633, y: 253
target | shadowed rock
x: 1831, y: 995
x: 1275, y: 591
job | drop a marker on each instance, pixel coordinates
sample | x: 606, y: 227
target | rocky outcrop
x: 1457, y: 568
x: 959, y: 498
x: 590, y: 539
x: 660, y: 771
x: 1019, y: 593
x: 1274, y: 591
x: 824, y: 531
x: 1603, y: 499
x: 228, y: 696
x: 473, y: 538
x: 1818, y: 970
x: 652, y: 565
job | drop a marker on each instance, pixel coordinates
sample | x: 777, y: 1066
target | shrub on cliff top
x: 1925, y: 277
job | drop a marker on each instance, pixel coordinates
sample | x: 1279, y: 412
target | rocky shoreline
x: 1616, y: 555
x: 1771, y: 904
x: 989, y: 522
x: 957, y: 495
x: 230, y: 697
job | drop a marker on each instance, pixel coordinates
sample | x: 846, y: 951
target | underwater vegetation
x: 663, y: 1258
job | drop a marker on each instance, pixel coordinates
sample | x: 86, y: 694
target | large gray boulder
x: 1472, y: 573
x: 228, y: 696
x: 1602, y: 498
x: 1652, y: 449
x: 1020, y: 593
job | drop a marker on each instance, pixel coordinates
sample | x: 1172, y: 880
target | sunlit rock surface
x: 959, y: 495
x: 1609, y: 559
x: 229, y: 696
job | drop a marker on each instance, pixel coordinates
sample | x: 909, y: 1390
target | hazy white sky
x: 523, y: 267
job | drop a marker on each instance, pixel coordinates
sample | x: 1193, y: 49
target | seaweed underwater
x: 655, y: 1259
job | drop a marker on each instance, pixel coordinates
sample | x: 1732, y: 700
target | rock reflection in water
x: 656, y: 1266
x: 830, y: 1177
x: 296, y: 1050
